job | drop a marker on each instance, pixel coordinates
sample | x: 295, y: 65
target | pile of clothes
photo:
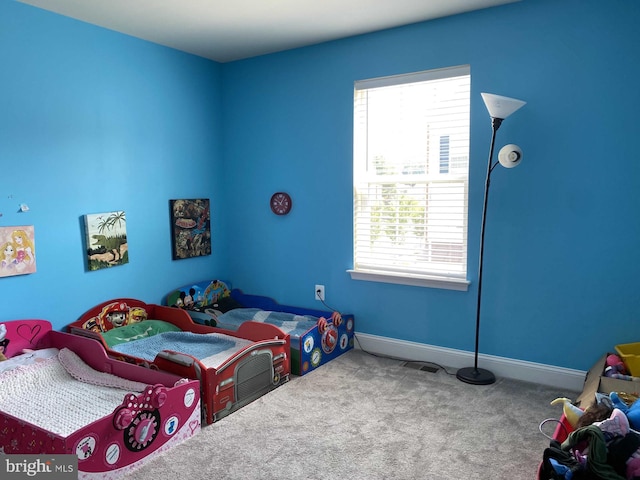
x: 604, y: 445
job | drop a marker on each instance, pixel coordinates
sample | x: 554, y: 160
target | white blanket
x: 44, y: 394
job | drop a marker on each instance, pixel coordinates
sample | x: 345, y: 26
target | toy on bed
x: 234, y: 368
x: 61, y: 394
x: 317, y: 336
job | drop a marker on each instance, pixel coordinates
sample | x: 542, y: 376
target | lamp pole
x: 499, y: 108
x: 475, y: 375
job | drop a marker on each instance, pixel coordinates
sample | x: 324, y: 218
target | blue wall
x: 94, y: 121
x: 563, y: 229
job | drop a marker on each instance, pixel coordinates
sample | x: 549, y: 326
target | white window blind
x: 411, y: 159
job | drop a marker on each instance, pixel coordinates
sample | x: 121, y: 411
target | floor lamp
x: 499, y: 108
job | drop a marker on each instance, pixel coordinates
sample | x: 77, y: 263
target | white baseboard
x: 565, y: 378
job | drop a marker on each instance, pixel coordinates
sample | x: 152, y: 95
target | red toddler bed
x: 234, y: 368
x: 61, y: 394
x: 317, y: 336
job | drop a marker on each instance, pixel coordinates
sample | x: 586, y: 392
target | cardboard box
x: 595, y: 381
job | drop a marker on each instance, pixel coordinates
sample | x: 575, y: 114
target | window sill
x: 413, y: 280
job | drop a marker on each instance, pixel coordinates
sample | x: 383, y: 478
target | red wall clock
x: 280, y: 203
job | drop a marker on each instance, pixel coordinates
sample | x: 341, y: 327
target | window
x: 411, y: 166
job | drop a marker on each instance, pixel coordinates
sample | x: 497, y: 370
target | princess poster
x: 17, y: 251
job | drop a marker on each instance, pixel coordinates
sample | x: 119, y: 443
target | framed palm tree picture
x: 106, y: 235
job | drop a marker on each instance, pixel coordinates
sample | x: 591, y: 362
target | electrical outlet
x: 319, y: 292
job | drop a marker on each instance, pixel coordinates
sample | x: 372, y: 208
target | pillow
x: 28, y: 358
x: 225, y: 304
x: 135, y: 331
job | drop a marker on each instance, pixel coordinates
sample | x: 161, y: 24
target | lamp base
x: 475, y: 376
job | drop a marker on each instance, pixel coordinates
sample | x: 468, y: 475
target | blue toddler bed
x: 317, y: 336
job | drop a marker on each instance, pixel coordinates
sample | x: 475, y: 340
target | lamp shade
x: 510, y: 156
x: 499, y: 106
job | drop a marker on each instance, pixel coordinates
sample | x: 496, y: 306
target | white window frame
x: 420, y: 251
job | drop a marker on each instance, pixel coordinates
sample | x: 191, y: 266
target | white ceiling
x: 227, y: 30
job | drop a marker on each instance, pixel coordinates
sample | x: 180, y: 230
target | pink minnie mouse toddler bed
x: 61, y: 394
x: 317, y: 336
x: 234, y: 368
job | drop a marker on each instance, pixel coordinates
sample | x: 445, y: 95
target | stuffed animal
x: 631, y: 411
x: 614, y: 364
x: 617, y: 369
x: 617, y: 424
x: 571, y: 412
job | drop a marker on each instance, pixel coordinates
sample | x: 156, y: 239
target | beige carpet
x: 369, y: 418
